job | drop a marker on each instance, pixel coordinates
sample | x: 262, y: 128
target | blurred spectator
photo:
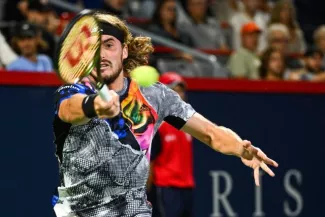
x: 171, y: 169
x: 272, y: 65
x: 313, y: 70
x: 26, y: 41
x: 284, y: 12
x: 38, y: 14
x: 116, y: 7
x: 319, y: 40
x: 250, y: 13
x: 313, y: 60
x: 244, y: 63
x: 64, y: 20
x: 224, y: 9
x: 164, y: 24
x: 15, y: 10
x: 210, y: 34
x: 142, y: 8
x: 7, y: 55
x: 266, y: 7
x: 52, y: 22
x: 278, y: 38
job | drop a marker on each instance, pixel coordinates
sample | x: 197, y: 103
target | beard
x: 111, y: 78
x: 312, y: 69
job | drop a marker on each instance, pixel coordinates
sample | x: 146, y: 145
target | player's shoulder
x: 157, y: 87
x: 154, y: 94
x: 157, y: 92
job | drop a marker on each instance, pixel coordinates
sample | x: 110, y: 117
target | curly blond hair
x: 139, y: 48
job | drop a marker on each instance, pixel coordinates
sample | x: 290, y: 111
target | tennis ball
x: 145, y: 75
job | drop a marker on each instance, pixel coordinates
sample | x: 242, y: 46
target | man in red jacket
x: 171, y: 181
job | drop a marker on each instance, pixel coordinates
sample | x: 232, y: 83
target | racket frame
x: 101, y: 87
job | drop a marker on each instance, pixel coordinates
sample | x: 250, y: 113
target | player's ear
x: 125, y: 52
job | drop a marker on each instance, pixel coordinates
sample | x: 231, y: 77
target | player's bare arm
x: 228, y: 142
x: 76, y: 109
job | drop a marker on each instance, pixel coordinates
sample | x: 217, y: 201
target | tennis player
x: 104, y: 147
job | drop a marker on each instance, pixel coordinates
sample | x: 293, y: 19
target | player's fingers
x: 250, y: 148
x: 267, y: 169
x: 93, y: 75
x: 263, y: 157
x: 247, y: 144
x: 269, y: 161
x: 257, y: 176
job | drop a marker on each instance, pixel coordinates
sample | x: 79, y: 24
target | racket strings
x: 78, y: 50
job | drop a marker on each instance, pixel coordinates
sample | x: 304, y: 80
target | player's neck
x: 118, y: 84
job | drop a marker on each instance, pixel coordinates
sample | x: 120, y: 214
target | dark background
x: 288, y: 127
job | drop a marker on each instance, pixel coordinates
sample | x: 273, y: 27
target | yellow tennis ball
x: 145, y: 75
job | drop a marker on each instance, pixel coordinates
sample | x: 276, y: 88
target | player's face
x: 112, y: 55
x: 27, y: 46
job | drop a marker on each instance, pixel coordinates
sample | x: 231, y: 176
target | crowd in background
x: 263, y: 37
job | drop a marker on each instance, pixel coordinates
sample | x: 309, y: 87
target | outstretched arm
x: 228, y: 142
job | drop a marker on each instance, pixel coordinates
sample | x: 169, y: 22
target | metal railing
x: 156, y: 38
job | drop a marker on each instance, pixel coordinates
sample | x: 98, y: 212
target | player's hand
x: 107, y: 109
x: 255, y: 158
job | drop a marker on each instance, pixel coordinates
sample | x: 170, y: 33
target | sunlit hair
x: 277, y: 27
x: 139, y: 48
x: 319, y: 33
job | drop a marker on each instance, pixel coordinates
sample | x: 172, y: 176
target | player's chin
x: 106, y: 72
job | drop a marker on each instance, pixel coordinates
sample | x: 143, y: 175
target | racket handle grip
x: 104, y: 93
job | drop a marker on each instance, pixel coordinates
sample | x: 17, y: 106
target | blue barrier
x: 289, y: 127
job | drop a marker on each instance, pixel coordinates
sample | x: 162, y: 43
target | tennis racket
x: 78, y: 52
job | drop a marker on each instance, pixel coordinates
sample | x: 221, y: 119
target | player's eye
x: 108, y: 45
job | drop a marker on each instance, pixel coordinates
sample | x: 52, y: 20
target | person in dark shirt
x: 37, y: 14
x: 163, y: 23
